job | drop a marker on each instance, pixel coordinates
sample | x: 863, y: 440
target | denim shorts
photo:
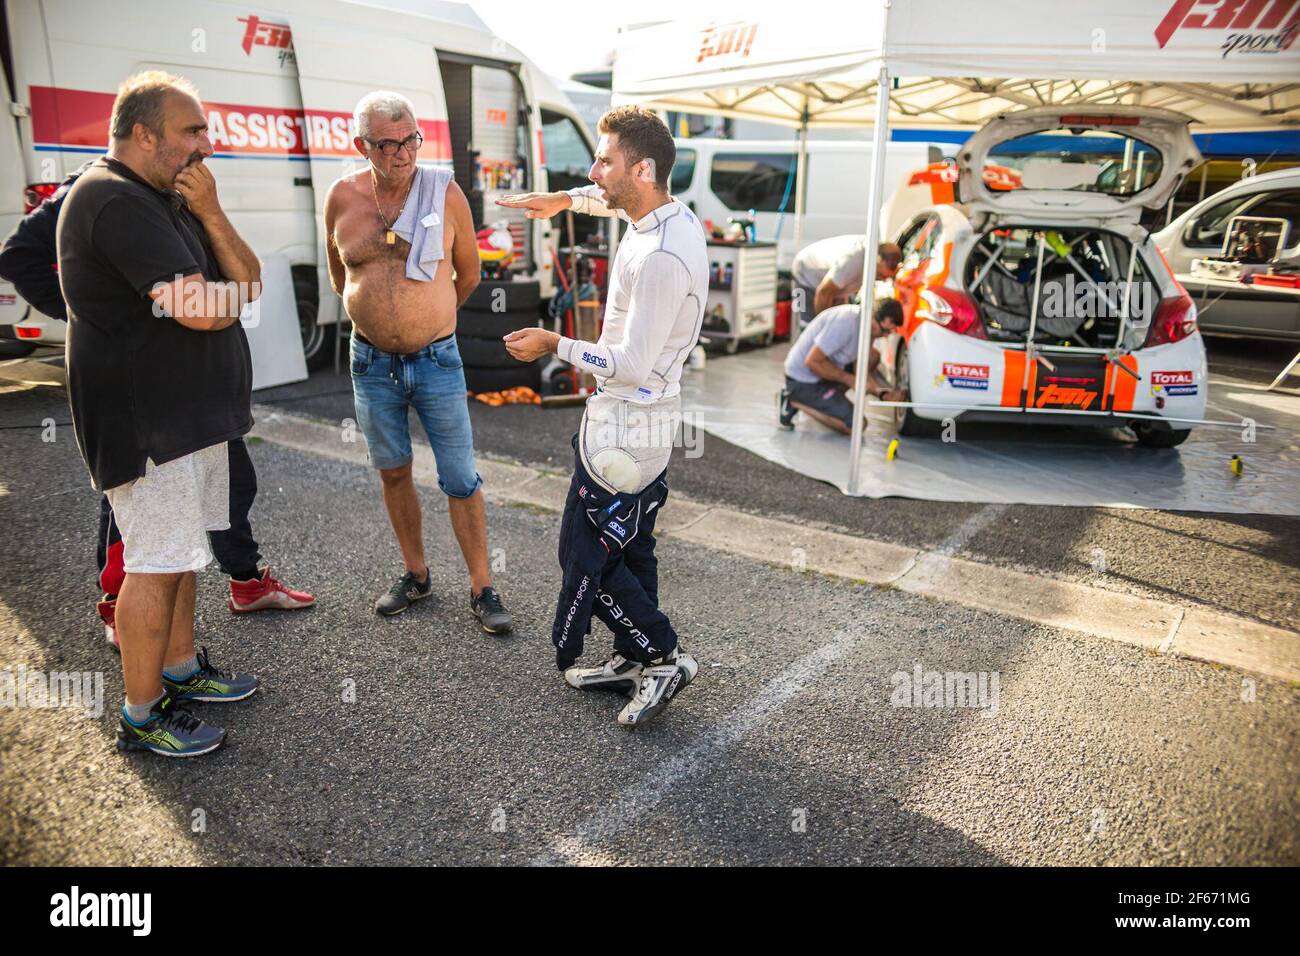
x: 385, y: 385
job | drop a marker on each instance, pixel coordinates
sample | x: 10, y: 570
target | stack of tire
x: 493, y: 310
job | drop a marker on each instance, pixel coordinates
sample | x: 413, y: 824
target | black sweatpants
x: 610, y: 572
x: 235, y: 548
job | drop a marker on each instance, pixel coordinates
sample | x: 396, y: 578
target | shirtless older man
x: 403, y: 256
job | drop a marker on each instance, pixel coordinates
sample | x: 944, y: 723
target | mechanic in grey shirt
x: 819, y: 368
x: 810, y: 267
x: 843, y: 280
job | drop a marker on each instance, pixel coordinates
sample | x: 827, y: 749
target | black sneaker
x: 491, y: 613
x: 171, y: 731
x: 404, y: 593
x: 785, y: 412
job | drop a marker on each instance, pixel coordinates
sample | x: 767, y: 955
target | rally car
x: 1039, y: 294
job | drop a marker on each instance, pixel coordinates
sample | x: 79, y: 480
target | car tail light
x: 1175, y: 320
x: 26, y: 333
x: 952, y: 309
x: 37, y: 193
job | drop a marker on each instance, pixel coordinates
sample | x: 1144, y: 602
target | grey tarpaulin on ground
x: 734, y: 398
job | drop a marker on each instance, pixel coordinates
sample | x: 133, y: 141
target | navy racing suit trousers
x: 607, y: 553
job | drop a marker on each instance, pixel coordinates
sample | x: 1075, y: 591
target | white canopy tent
x: 1229, y: 65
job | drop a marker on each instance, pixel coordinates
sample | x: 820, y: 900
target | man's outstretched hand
x: 532, y: 343
x: 539, y: 205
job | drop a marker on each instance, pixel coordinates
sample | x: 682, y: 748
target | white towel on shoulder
x: 422, y: 219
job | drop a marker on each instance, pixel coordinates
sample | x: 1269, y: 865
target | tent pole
x: 879, y: 140
x: 800, y: 178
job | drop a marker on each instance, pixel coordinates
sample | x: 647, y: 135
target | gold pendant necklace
x: 390, y: 237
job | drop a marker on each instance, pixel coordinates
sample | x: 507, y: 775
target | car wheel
x: 499, y: 295
x: 317, y: 340
x: 485, y: 353
x: 477, y: 324
x: 1156, y: 435
x: 908, y: 423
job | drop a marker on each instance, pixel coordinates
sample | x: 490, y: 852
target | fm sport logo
x: 964, y: 376
x: 1258, y: 26
x: 719, y: 39
x: 1173, y: 383
x: 259, y: 32
x: 1063, y: 396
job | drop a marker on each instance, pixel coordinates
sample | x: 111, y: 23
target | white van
x: 722, y: 178
x: 1198, y: 233
x: 279, y: 80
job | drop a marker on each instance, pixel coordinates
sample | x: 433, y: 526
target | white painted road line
x: 1186, y: 631
x: 969, y: 528
x: 625, y: 813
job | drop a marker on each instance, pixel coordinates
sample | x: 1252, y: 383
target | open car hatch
x: 1077, y: 164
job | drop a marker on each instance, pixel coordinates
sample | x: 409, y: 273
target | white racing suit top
x: 658, y: 284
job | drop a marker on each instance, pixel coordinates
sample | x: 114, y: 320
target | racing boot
x: 660, y: 682
x: 617, y: 674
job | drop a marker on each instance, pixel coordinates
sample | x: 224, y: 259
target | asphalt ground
x: 1247, y: 565
x: 460, y: 748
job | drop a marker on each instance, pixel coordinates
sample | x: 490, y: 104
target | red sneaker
x: 107, y: 608
x: 266, y: 593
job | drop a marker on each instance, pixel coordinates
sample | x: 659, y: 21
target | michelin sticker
x: 959, y: 375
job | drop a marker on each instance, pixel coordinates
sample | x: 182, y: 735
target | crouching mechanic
x: 819, y: 369
x: 657, y: 288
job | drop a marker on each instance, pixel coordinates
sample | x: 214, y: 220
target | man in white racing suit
x: 657, y: 290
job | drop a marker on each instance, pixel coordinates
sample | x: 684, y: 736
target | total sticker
x: 1173, y: 383
x: 960, y: 375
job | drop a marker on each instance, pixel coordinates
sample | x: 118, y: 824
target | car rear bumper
x: 953, y: 374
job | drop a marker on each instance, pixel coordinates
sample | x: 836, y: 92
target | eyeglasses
x: 389, y: 147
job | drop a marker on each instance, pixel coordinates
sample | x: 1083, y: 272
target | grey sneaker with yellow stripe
x: 208, y: 684
x: 170, y: 731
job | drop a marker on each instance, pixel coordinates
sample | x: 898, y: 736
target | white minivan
x: 1199, y: 233
x: 279, y: 80
x: 721, y: 179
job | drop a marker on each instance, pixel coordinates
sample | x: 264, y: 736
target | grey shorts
x: 165, y: 516
x: 825, y: 397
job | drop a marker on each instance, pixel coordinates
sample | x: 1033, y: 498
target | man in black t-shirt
x: 29, y: 260
x: 159, y: 380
